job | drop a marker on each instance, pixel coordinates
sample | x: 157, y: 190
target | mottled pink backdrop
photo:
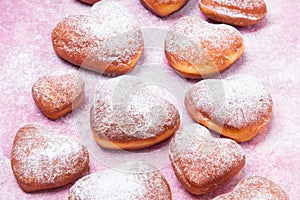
x: 272, y: 54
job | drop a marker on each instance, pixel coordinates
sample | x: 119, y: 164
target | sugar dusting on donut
x: 125, y: 109
x: 55, y: 92
x: 162, y: 2
x: 235, y: 8
x: 237, y: 101
x: 137, y: 180
x: 202, y: 157
x: 109, y: 33
x: 200, y: 46
x: 256, y: 188
x: 41, y: 158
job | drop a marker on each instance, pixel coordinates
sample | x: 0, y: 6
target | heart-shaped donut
x: 126, y: 115
x: 197, y: 49
x: 44, y: 160
x: 107, y: 40
x: 235, y: 12
x: 163, y: 8
x: 255, y: 187
x: 135, y: 181
x: 238, y: 107
x: 57, y: 95
x: 202, y: 163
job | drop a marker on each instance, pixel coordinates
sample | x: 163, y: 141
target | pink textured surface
x: 271, y: 54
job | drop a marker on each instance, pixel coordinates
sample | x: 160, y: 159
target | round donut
x: 126, y: 115
x: 163, y: 8
x: 108, y: 40
x: 255, y: 187
x: 197, y: 49
x: 234, y: 12
x: 135, y: 181
x: 238, y: 107
x: 202, y: 163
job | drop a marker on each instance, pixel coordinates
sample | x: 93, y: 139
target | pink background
x: 272, y: 54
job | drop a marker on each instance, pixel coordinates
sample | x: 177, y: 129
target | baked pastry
x: 135, y: 181
x: 255, y: 187
x: 163, y: 8
x: 57, y: 95
x: 90, y: 1
x: 44, y: 160
x: 126, y: 115
x: 238, y: 107
x: 234, y: 12
x: 108, y: 40
x: 202, y: 163
x: 197, y: 49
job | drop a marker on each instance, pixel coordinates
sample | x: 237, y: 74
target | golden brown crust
x: 134, y: 180
x: 238, y: 13
x: 42, y: 160
x: 197, y: 49
x: 255, y: 187
x: 202, y: 163
x: 90, y: 1
x: 126, y: 115
x: 203, y: 188
x: 163, y: 8
x: 248, y: 113
x: 134, y: 144
x: 240, y: 135
x: 188, y: 70
x: 115, y: 138
x: 56, y: 96
x: 108, y: 40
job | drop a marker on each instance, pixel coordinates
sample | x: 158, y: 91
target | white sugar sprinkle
x: 202, y: 157
x: 126, y: 104
x: 198, y: 42
x: 255, y: 188
x: 56, y: 92
x: 44, y: 157
x: 237, y: 101
x: 109, y: 33
x: 135, y: 182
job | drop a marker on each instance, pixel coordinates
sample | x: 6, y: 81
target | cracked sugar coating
x: 203, y: 163
x: 125, y: 111
x: 253, y: 188
x: 240, y: 104
x: 197, y: 49
x: 44, y: 160
x: 56, y: 95
x: 106, y: 40
x: 136, y: 181
x: 235, y: 12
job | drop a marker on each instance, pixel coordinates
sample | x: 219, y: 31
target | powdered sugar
x: 236, y: 101
x: 135, y: 182
x: 256, y: 188
x: 124, y: 108
x: 235, y: 6
x: 236, y: 12
x: 204, y: 159
x: 54, y: 93
x: 41, y: 157
x: 109, y: 33
x: 200, y: 43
